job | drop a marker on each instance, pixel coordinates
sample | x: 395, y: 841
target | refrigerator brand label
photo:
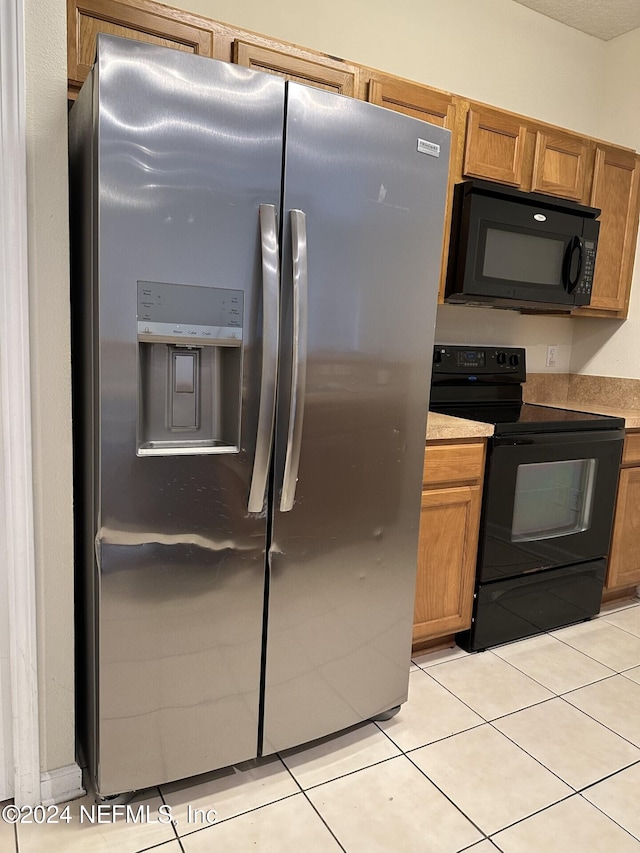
x: 426, y: 147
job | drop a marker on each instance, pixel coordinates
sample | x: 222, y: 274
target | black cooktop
x: 485, y: 384
x: 526, y: 417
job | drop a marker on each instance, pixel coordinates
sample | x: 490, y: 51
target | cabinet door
x: 333, y: 76
x: 624, y: 557
x: 447, y: 549
x: 560, y: 165
x: 144, y: 21
x: 494, y: 147
x: 414, y: 100
x: 615, y: 191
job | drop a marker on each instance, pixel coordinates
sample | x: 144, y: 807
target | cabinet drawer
x: 453, y: 463
x: 631, y: 452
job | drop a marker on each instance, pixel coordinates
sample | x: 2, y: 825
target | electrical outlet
x: 552, y: 355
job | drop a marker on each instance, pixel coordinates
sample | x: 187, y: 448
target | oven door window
x: 548, y: 501
x: 553, y: 499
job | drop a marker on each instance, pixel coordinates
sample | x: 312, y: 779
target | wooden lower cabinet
x: 624, y: 556
x: 448, y: 541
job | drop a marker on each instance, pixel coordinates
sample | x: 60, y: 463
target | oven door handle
x: 574, y: 438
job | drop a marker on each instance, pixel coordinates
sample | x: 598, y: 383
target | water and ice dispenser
x: 189, y: 369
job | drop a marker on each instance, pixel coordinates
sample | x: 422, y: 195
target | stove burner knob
x: 437, y: 356
x: 514, y: 360
x: 501, y: 358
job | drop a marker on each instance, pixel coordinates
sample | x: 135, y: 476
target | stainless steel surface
x: 270, y: 342
x: 299, y: 358
x: 82, y: 183
x: 343, y: 560
x: 179, y: 587
x: 184, y: 159
x: 206, y: 420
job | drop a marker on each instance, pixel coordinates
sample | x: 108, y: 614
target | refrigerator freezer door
x: 343, y: 558
x: 179, y: 586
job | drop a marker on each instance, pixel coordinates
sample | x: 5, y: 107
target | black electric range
x: 548, y: 498
x: 485, y: 384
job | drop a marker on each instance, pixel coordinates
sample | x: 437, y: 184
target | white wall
x: 46, y: 62
x: 459, y: 325
x: 612, y: 348
x: 493, y: 50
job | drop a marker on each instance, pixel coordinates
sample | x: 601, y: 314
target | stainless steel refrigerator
x: 255, y: 270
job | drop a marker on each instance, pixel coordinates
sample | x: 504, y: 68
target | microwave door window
x: 553, y: 499
x: 518, y: 256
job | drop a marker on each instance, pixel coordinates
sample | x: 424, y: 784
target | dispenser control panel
x: 195, y: 315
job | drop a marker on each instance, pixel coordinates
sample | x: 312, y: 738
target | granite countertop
x: 602, y: 395
x: 445, y: 426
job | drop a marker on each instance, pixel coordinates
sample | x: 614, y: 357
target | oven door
x: 548, y: 501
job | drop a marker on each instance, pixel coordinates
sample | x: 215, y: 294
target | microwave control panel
x: 583, y: 290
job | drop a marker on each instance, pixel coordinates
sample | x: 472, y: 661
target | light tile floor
x: 528, y: 747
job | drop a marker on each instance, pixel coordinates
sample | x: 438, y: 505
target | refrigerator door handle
x: 299, y: 360
x: 270, y: 342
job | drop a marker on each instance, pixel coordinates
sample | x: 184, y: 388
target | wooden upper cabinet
x: 333, y: 75
x: 494, y: 147
x: 497, y: 145
x: 144, y: 21
x: 414, y: 100
x: 615, y: 191
x: 560, y: 165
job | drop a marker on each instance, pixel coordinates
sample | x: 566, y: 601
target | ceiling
x: 604, y: 19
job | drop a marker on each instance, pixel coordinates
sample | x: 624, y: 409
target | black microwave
x: 513, y: 249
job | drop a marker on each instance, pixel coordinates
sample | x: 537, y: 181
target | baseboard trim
x: 61, y: 784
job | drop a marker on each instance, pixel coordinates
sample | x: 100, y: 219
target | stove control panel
x: 478, y: 364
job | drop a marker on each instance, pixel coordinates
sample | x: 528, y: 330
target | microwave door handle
x: 270, y: 342
x: 572, y: 283
x: 299, y: 363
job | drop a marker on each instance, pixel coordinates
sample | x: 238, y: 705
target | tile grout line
x: 607, y: 777
x: 500, y: 716
x: 304, y: 793
x: 548, y: 634
x: 604, y: 725
x: 533, y: 814
x: 174, y: 824
x: 574, y: 791
x: 234, y: 816
x: 444, y: 687
x: 586, y: 654
x: 446, y: 796
x: 553, y: 772
x: 158, y: 846
x: 635, y: 838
